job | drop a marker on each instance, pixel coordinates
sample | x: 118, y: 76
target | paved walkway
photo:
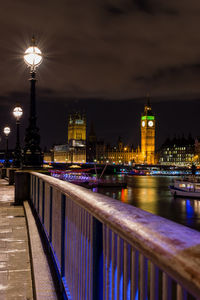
x: 15, y: 269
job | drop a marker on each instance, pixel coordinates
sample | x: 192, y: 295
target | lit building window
x: 79, y: 121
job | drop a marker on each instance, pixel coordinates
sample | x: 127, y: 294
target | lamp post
x: 6, y: 131
x: 17, y: 112
x: 32, y: 152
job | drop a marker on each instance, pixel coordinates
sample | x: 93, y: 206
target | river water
x: 151, y: 193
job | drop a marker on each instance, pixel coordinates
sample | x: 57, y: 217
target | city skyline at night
x: 125, y: 121
x: 100, y: 149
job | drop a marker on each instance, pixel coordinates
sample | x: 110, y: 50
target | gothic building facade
x: 74, y: 151
x: 78, y: 149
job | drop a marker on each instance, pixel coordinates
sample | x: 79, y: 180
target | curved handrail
x: 172, y: 247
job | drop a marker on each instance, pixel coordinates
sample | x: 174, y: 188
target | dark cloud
x: 87, y: 50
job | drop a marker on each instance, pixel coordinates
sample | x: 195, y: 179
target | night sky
x: 103, y: 57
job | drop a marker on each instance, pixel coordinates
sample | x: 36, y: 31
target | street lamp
x: 6, y: 131
x: 17, y: 112
x: 32, y: 151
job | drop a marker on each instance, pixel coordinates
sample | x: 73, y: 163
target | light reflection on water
x: 152, y: 194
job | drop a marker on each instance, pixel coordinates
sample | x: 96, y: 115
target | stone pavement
x: 15, y: 268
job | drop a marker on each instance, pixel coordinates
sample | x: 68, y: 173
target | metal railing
x: 105, y: 249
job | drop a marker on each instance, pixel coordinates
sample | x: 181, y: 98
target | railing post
x: 31, y: 188
x: 43, y: 200
x: 22, y: 179
x: 144, y: 278
x: 34, y: 192
x: 97, y: 260
x: 38, y: 196
x: 154, y: 282
x: 127, y: 271
x: 11, y: 176
x: 3, y: 173
x: 181, y: 293
x: 167, y: 287
x: 50, y: 214
x: 134, y: 274
x: 63, y: 204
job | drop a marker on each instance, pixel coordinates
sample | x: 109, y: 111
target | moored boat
x: 186, y: 187
x: 86, y: 180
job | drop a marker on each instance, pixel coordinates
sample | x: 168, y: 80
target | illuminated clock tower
x: 148, y: 135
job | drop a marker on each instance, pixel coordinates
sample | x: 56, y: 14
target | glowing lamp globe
x: 17, y: 112
x: 6, y: 130
x: 33, y: 57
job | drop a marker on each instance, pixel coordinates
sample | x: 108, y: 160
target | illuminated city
x: 100, y: 150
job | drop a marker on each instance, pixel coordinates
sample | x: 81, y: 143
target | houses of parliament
x: 80, y: 148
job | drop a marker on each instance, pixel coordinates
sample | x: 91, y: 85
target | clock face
x: 150, y: 123
x: 143, y: 123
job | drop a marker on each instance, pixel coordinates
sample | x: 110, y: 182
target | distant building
x: 96, y: 149
x: 74, y: 151
x: 196, y: 158
x: 48, y: 157
x: 99, y: 152
x: 77, y: 130
x: 178, y: 151
x: 77, y: 137
x: 91, y: 145
x: 121, y: 154
x: 61, y: 153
